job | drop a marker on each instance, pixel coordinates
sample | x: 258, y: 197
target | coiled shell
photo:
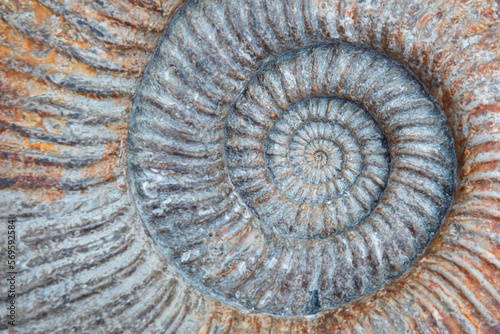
x: 194, y: 208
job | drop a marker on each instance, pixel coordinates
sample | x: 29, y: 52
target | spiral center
x: 322, y: 154
x: 320, y: 158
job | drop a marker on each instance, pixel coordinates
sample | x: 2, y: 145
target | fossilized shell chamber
x: 281, y: 166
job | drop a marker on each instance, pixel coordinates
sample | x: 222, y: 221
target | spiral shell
x: 190, y: 202
x: 288, y: 158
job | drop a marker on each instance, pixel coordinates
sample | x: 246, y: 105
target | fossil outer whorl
x: 238, y: 224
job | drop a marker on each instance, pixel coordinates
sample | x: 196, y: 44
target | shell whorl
x: 236, y: 212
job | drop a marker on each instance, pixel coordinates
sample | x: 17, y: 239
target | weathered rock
x: 219, y: 93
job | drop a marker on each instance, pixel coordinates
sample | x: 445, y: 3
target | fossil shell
x: 287, y: 158
x: 189, y: 203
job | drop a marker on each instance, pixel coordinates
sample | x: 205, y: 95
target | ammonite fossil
x: 252, y: 166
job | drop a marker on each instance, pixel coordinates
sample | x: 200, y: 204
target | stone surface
x: 69, y: 74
